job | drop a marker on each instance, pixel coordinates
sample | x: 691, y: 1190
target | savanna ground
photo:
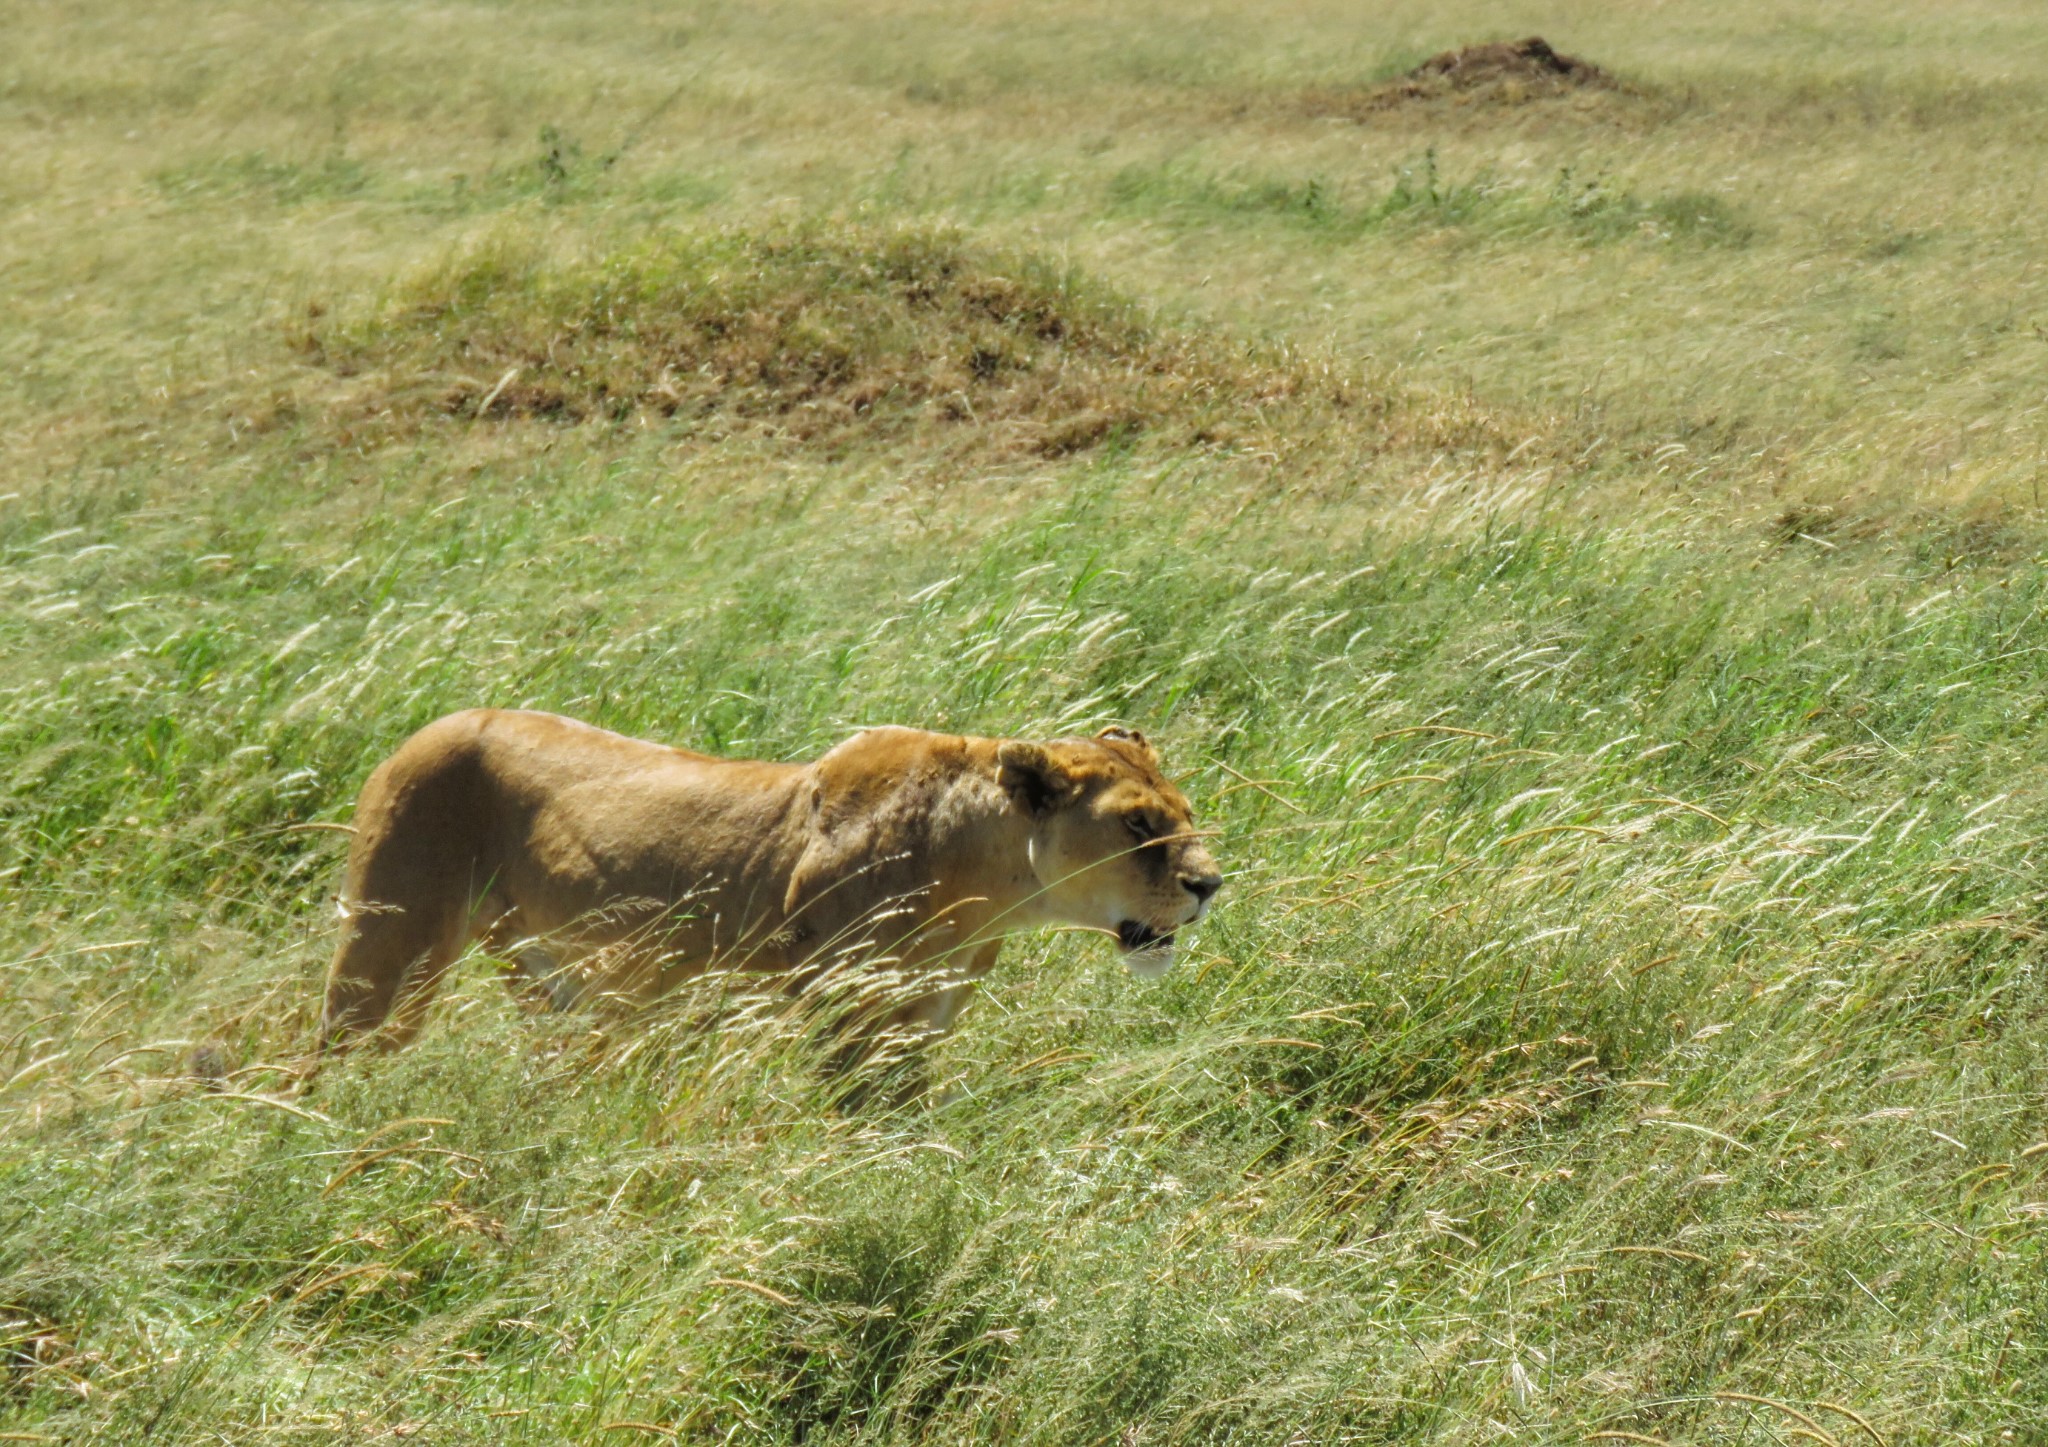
x: 1583, y: 545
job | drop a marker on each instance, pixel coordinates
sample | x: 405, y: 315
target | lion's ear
x: 1131, y: 737
x: 1029, y: 775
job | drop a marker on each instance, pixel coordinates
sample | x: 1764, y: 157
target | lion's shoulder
x: 877, y: 746
x: 895, y: 770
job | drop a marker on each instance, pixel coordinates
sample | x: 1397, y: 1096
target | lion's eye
x: 1141, y: 827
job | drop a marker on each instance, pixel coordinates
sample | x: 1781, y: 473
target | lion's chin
x: 1151, y: 962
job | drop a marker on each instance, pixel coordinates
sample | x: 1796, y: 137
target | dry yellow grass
x: 1864, y: 332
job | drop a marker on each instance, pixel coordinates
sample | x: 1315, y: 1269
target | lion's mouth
x: 1134, y: 937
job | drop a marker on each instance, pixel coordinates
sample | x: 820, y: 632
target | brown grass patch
x: 813, y: 334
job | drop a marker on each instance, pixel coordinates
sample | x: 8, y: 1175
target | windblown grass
x: 1623, y: 1010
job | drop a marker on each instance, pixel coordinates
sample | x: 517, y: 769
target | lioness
x: 608, y: 867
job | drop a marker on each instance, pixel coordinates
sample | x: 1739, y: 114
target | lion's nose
x: 1201, y: 886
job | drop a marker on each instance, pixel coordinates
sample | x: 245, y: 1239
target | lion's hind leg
x: 386, y: 968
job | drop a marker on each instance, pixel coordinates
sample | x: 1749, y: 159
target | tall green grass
x: 1421, y: 197
x: 1622, y: 1006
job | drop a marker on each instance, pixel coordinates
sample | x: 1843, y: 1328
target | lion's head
x: 1113, y: 843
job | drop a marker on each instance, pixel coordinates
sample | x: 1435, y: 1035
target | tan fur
x: 610, y: 869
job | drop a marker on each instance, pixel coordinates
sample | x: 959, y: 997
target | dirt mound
x: 1529, y: 63
x: 812, y: 334
x: 1503, y: 72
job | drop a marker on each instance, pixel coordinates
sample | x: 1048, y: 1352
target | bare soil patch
x: 1523, y: 63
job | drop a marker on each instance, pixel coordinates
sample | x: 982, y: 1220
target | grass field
x: 1583, y: 549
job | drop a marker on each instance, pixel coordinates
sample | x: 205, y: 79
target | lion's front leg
x: 884, y: 1040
